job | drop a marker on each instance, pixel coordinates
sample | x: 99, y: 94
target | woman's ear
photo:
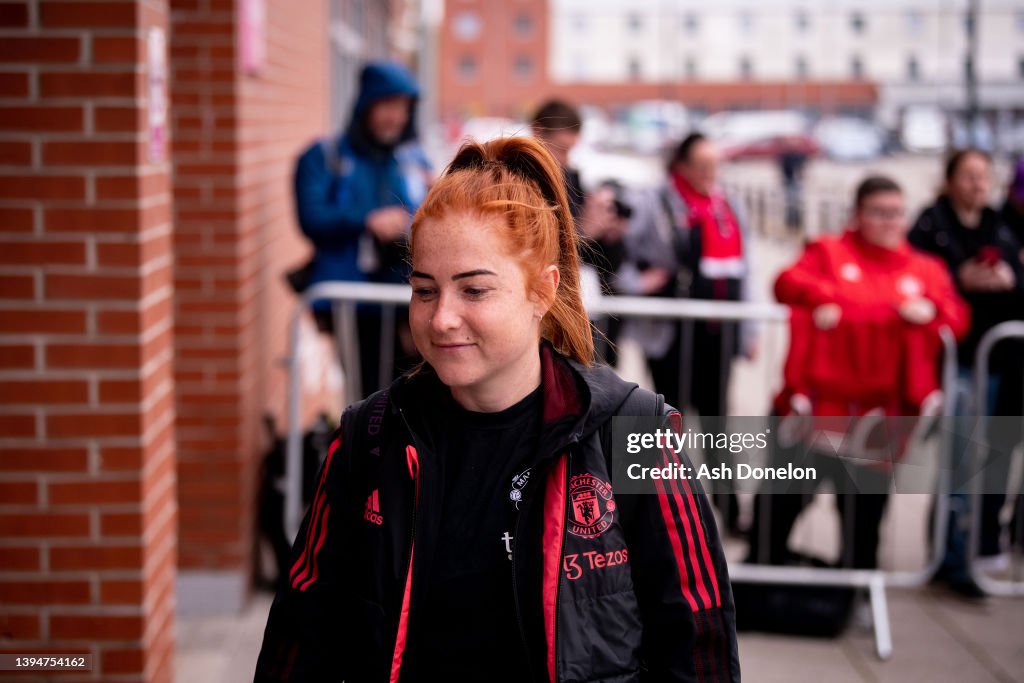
x: 548, y: 284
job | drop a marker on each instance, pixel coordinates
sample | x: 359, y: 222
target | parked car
x: 847, y: 138
x: 759, y: 134
x: 924, y: 129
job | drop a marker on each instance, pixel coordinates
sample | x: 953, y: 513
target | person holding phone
x: 983, y: 256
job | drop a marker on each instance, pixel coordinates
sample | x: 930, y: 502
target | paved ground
x: 936, y: 637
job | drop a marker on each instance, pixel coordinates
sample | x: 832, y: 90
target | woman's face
x: 471, y: 316
x: 971, y: 184
x: 701, y: 168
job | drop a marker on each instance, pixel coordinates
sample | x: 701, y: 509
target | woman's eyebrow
x: 417, y: 273
x: 473, y: 273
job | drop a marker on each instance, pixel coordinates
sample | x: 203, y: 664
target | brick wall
x: 87, y: 481
x: 236, y: 137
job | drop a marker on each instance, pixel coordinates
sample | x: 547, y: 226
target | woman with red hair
x: 464, y: 525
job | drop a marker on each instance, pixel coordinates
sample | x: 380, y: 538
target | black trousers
x: 860, y: 514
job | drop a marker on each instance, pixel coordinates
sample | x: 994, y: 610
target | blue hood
x: 377, y: 81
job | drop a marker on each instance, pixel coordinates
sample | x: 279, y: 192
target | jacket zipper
x: 561, y: 554
x: 412, y: 529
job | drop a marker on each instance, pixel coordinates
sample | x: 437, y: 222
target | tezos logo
x: 591, y: 506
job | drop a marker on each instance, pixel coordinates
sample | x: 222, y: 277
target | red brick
x: 94, y: 493
x: 87, y: 14
x: 13, y: 392
x: 121, y: 391
x: 45, y: 592
x: 92, y: 425
x: 42, y: 187
x: 17, y: 287
x: 14, y: 84
x: 19, y: 559
x: 92, y: 154
x: 38, y: 321
x: 54, y: 459
x: 123, y: 661
x: 39, y: 49
x: 96, y: 558
x: 117, y: 49
x: 44, y: 524
x: 96, y: 628
x: 42, y: 253
x: 92, y: 287
x: 13, y: 14
x: 15, y: 153
x: 119, y: 119
x: 18, y: 493
x: 13, y: 426
x: 119, y: 458
x: 121, y: 592
x: 91, y: 220
x: 121, y: 524
x: 42, y: 119
x: 90, y: 84
x: 118, y: 322
x: 92, y: 356
x: 19, y: 627
x: 16, y: 219
x: 132, y: 187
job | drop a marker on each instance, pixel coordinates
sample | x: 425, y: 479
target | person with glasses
x: 866, y: 311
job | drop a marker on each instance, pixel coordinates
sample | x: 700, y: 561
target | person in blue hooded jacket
x: 355, y: 193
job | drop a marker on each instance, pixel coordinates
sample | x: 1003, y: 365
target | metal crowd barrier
x: 1015, y: 586
x: 345, y: 296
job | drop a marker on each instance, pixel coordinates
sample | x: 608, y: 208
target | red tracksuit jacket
x: 872, y: 358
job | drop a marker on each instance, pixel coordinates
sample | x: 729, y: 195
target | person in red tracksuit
x: 866, y: 313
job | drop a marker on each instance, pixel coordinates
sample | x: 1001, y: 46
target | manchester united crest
x: 591, y: 508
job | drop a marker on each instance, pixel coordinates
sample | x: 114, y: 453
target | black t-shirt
x: 465, y: 625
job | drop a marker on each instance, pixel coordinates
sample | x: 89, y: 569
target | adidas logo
x: 372, y: 512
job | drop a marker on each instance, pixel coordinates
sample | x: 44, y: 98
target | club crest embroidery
x: 592, y: 509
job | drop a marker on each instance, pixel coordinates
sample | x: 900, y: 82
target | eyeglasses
x: 880, y: 214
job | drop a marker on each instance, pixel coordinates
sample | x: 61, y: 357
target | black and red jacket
x: 638, y: 593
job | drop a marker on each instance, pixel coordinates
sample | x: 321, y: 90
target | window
x: 633, y: 69
x: 801, y: 21
x: 746, y: 22
x: 523, y: 25
x: 523, y: 67
x: 690, y: 69
x: 467, y: 68
x: 857, y: 23
x: 915, y: 22
x: 856, y: 68
x: 579, y: 22
x: 746, y: 69
x: 691, y: 22
x: 913, y: 69
x: 800, y: 67
x: 634, y: 21
x: 467, y: 26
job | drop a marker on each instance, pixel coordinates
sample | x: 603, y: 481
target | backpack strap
x: 638, y: 403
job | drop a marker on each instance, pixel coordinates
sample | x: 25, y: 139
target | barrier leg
x: 880, y: 616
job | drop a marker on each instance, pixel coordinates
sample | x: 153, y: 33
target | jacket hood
x: 577, y: 399
x: 377, y: 81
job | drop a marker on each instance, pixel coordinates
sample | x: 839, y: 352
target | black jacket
x: 637, y: 592
x: 938, y: 231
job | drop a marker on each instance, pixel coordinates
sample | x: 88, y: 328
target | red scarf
x: 721, y: 238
